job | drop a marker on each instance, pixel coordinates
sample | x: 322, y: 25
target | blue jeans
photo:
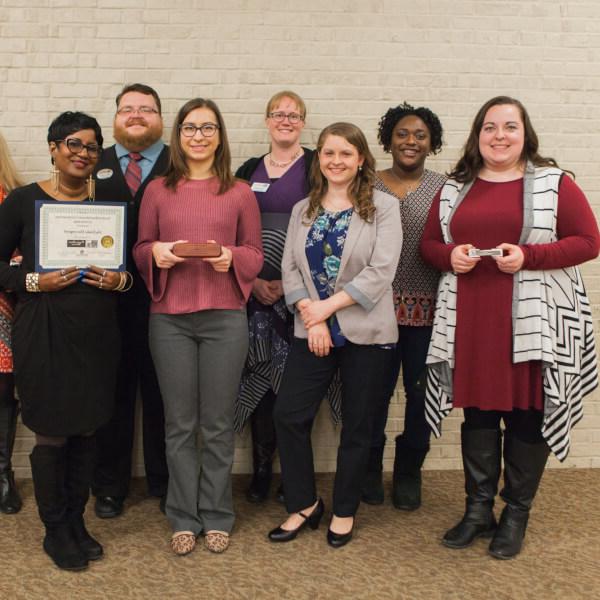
x: 410, y: 354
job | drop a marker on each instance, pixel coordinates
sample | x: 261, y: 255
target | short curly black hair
x: 395, y: 114
x: 71, y: 122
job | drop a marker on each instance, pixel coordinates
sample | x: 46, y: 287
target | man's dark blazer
x: 115, y: 440
x: 114, y: 189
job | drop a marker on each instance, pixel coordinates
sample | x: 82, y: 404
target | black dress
x: 65, y: 344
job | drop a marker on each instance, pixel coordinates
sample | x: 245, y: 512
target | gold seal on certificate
x: 80, y: 234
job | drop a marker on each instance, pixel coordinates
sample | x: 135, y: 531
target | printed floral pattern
x: 324, y: 248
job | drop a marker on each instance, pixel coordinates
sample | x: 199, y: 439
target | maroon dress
x: 490, y: 214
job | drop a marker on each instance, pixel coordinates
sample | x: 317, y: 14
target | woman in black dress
x: 65, y: 344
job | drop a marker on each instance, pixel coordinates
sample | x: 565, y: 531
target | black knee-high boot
x: 10, y: 501
x: 524, y: 465
x: 48, y: 468
x: 481, y: 461
x: 264, y: 443
x: 81, y: 454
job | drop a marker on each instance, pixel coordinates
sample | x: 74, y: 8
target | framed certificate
x: 80, y: 234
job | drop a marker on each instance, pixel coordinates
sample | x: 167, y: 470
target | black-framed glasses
x: 143, y: 110
x: 76, y: 146
x: 206, y: 129
x: 279, y: 117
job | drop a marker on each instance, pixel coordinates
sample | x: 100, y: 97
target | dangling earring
x: 91, y: 188
x: 54, y: 178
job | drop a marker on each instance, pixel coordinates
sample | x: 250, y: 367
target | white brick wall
x: 349, y: 59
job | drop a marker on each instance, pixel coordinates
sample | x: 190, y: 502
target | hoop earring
x: 91, y: 188
x: 54, y: 179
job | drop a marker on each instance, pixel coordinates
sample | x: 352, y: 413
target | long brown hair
x: 361, y: 189
x: 470, y: 163
x: 178, y: 168
x: 9, y: 178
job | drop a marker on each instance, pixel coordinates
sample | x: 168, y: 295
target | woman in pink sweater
x: 198, y: 330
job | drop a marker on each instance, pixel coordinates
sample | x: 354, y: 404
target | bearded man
x: 122, y: 174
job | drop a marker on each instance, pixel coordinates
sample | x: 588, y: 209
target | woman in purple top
x: 279, y: 179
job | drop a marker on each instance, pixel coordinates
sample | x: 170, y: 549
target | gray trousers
x: 199, y: 359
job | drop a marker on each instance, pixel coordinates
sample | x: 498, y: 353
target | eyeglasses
x: 279, y: 117
x: 76, y: 146
x: 206, y: 129
x: 143, y: 110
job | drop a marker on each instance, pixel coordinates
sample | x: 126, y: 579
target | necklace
x: 406, y: 187
x: 281, y: 165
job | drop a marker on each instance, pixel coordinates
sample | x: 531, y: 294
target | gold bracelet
x: 121, y: 284
x: 32, y: 282
x: 128, y: 285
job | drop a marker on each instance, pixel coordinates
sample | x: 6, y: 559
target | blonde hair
x: 9, y: 178
x: 279, y: 96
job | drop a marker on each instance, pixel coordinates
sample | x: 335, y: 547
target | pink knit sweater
x: 194, y: 212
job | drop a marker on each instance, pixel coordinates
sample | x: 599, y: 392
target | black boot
x: 406, y: 487
x: 10, y: 501
x: 481, y: 463
x: 523, y: 468
x: 372, y: 487
x: 81, y: 454
x: 48, y: 467
x: 264, y: 443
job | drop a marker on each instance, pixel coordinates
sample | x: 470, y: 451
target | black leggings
x: 525, y: 425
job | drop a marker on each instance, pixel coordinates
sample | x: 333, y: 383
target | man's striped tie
x: 133, y: 173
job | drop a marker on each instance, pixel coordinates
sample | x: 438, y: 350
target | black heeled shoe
x: 337, y: 540
x: 286, y: 535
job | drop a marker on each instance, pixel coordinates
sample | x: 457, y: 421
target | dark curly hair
x: 395, y: 114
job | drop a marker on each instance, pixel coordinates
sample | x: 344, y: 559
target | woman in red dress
x: 10, y: 501
x: 513, y: 337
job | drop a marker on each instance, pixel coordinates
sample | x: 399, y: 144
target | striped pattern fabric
x: 133, y: 173
x: 551, y: 319
x: 273, y: 243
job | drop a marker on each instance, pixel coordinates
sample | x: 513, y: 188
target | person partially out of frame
x: 10, y: 500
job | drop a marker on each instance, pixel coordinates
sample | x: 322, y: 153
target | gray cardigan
x: 369, y: 260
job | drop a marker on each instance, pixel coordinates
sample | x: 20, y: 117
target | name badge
x: 258, y: 186
x: 104, y: 174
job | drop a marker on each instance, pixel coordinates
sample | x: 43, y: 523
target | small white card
x: 476, y: 252
x: 259, y: 186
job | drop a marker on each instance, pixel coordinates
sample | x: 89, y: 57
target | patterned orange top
x: 6, y: 317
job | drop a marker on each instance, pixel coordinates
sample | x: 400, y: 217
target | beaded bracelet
x: 32, y: 282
